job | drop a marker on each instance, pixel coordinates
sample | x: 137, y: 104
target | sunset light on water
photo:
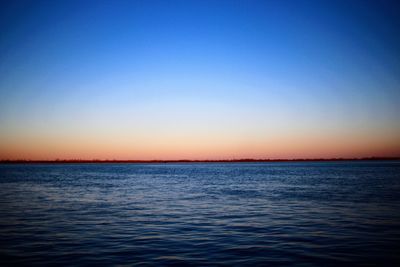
x: 199, y: 133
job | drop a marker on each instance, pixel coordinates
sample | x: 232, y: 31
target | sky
x: 172, y: 80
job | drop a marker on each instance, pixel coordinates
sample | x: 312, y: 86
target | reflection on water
x: 322, y: 213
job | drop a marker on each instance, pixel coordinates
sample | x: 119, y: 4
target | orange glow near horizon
x: 198, y: 80
x: 198, y: 148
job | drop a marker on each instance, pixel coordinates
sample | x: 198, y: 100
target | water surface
x: 244, y: 214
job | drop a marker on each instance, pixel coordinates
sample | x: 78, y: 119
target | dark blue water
x: 246, y: 214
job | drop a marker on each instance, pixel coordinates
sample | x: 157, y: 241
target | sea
x: 201, y: 214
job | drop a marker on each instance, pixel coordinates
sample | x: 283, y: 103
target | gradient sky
x: 199, y: 79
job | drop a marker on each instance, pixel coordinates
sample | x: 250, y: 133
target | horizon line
x: 21, y: 161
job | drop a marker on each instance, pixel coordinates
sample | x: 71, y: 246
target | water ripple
x: 245, y: 214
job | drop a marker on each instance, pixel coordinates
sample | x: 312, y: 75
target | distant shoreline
x: 71, y: 161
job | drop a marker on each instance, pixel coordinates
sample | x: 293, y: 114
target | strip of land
x: 68, y: 161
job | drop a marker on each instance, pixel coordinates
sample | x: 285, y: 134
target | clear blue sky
x: 199, y: 79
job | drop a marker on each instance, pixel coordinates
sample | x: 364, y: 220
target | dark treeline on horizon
x: 194, y: 161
